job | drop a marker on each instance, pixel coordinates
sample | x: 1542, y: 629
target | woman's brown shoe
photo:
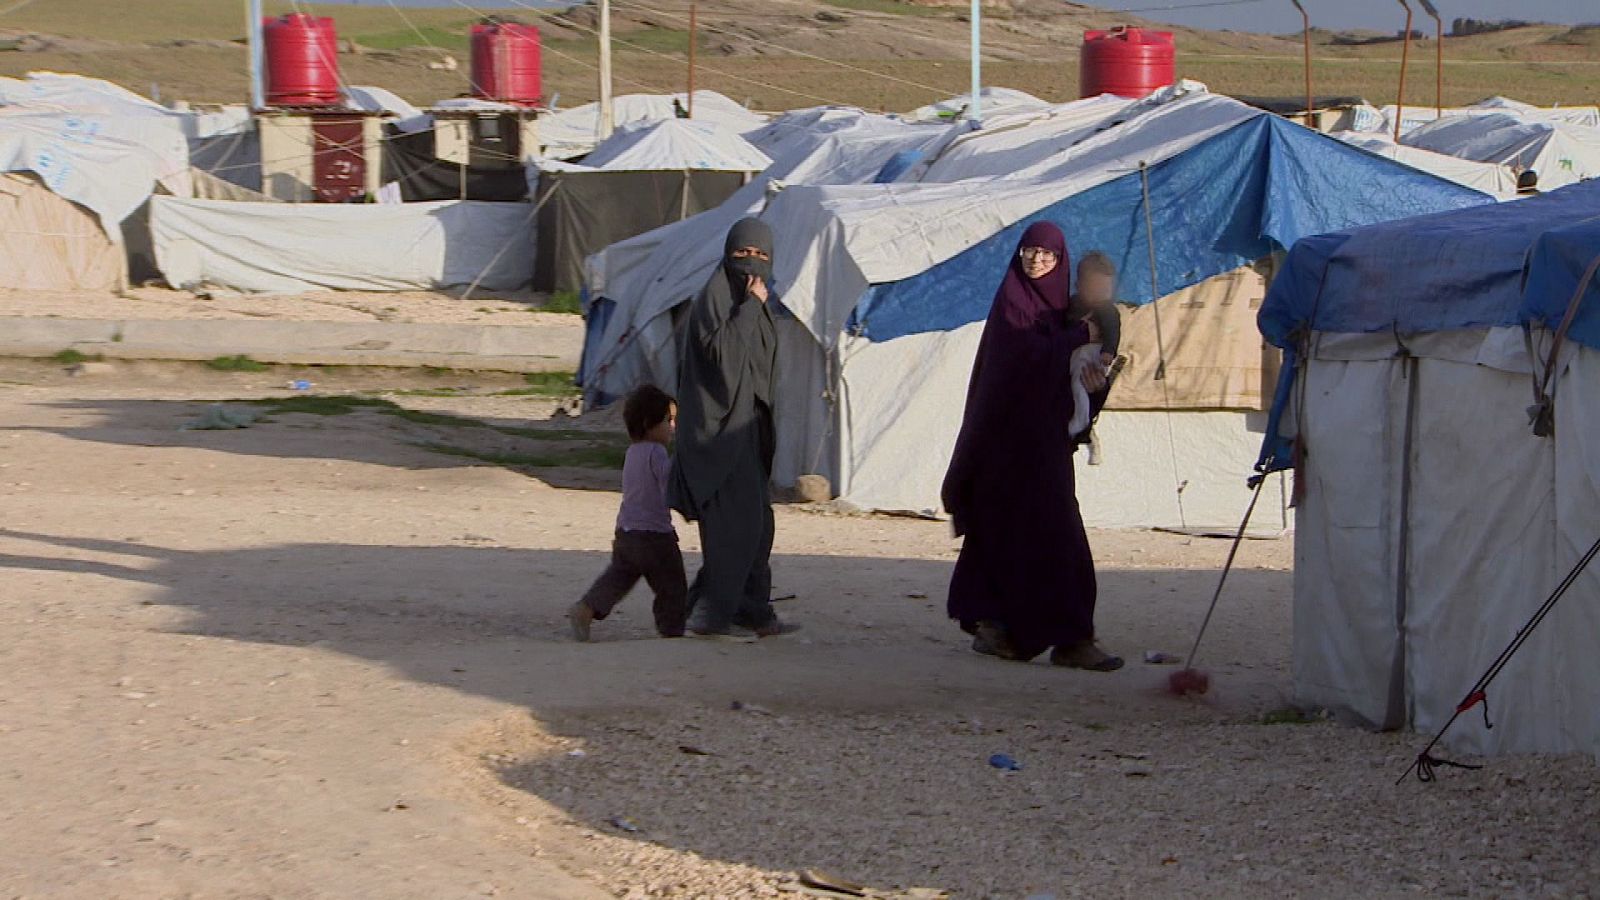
x: 1085, y: 655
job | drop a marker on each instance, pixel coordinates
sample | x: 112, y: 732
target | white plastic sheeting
x: 1432, y: 459
x: 1416, y: 116
x: 996, y: 102
x: 675, y: 144
x: 1491, y: 178
x: 648, y: 275
x: 293, y: 248
x: 408, y: 118
x: 574, y: 132
x: 93, y: 143
x: 898, y: 401
x: 1561, y: 153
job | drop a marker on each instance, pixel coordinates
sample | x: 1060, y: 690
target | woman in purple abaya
x: 1025, y: 582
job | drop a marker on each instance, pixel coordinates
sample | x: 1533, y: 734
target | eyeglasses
x: 1036, y: 253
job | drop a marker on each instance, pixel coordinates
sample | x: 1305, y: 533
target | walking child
x: 646, y: 544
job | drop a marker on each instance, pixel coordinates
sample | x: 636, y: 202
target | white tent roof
x: 574, y: 132
x: 676, y: 144
x: 93, y: 143
x: 997, y: 101
x: 1561, y: 153
x: 1491, y: 178
x: 1417, y: 116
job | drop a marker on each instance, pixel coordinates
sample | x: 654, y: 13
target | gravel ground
x: 432, y: 307
x: 1202, y: 808
x: 312, y: 658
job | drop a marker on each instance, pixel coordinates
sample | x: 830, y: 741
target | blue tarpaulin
x: 1222, y: 204
x: 1560, y: 259
x: 1496, y: 266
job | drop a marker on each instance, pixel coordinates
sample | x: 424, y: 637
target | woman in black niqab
x: 722, y: 470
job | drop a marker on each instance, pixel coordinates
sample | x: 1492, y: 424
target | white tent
x: 1560, y: 153
x: 574, y: 132
x: 888, y: 283
x: 297, y: 247
x: 676, y: 144
x: 995, y: 101
x: 1416, y: 116
x: 1491, y: 178
x: 1434, y: 520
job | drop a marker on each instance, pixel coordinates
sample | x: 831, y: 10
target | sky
x: 1271, y: 16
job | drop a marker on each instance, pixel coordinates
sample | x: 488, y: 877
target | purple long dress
x: 1025, y: 564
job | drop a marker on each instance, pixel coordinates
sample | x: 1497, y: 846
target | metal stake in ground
x: 1425, y: 762
x: 1190, y: 680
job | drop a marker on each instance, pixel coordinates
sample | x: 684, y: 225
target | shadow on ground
x: 863, y: 743
x: 342, y: 429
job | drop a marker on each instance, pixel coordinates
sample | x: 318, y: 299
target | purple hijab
x: 1010, y: 488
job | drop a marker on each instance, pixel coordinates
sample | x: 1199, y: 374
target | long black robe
x: 725, y: 443
x: 1025, y: 564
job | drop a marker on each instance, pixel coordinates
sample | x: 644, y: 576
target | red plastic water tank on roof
x: 505, y: 63
x: 302, y: 60
x: 1128, y: 62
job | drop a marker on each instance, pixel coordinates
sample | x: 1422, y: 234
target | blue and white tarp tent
x: 893, y: 282
x: 1433, y: 519
x: 887, y: 286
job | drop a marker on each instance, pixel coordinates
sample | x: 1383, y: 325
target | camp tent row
x: 100, y: 185
x: 887, y: 280
x: 1434, y: 519
x: 646, y: 175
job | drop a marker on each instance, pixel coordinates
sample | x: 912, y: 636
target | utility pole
x: 608, y: 120
x: 252, y: 11
x: 975, y: 110
x: 694, y: 37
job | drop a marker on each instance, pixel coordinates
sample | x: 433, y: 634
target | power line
x: 545, y: 47
x: 831, y: 101
x: 1205, y: 4
x: 801, y: 53
x: 407, y: 19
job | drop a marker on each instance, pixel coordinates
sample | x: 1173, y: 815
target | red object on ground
x: 1128, y: 62
x: 1188, y: 681
x: 302, y: 61
x: 506, y: 63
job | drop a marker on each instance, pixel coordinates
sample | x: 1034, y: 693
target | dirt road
x: 311, y: 658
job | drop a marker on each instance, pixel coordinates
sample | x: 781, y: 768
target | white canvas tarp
x: 1560, y: 153
x: 676, y: 144
x: 1417, y: 116
x: 574, y: 132
x: 1489, y: 177
x: 108, y: 163
x: 1411, y: 576
x: 292, y: 248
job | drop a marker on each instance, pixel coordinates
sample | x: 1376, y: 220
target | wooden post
x: 607, y: 118
x: 694, y: 37
x: 1405, y: 57
x: 975, y: 110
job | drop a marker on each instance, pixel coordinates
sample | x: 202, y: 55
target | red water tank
x: 1128, y: 62
x: 302, y: 61
x: 505, y: 63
